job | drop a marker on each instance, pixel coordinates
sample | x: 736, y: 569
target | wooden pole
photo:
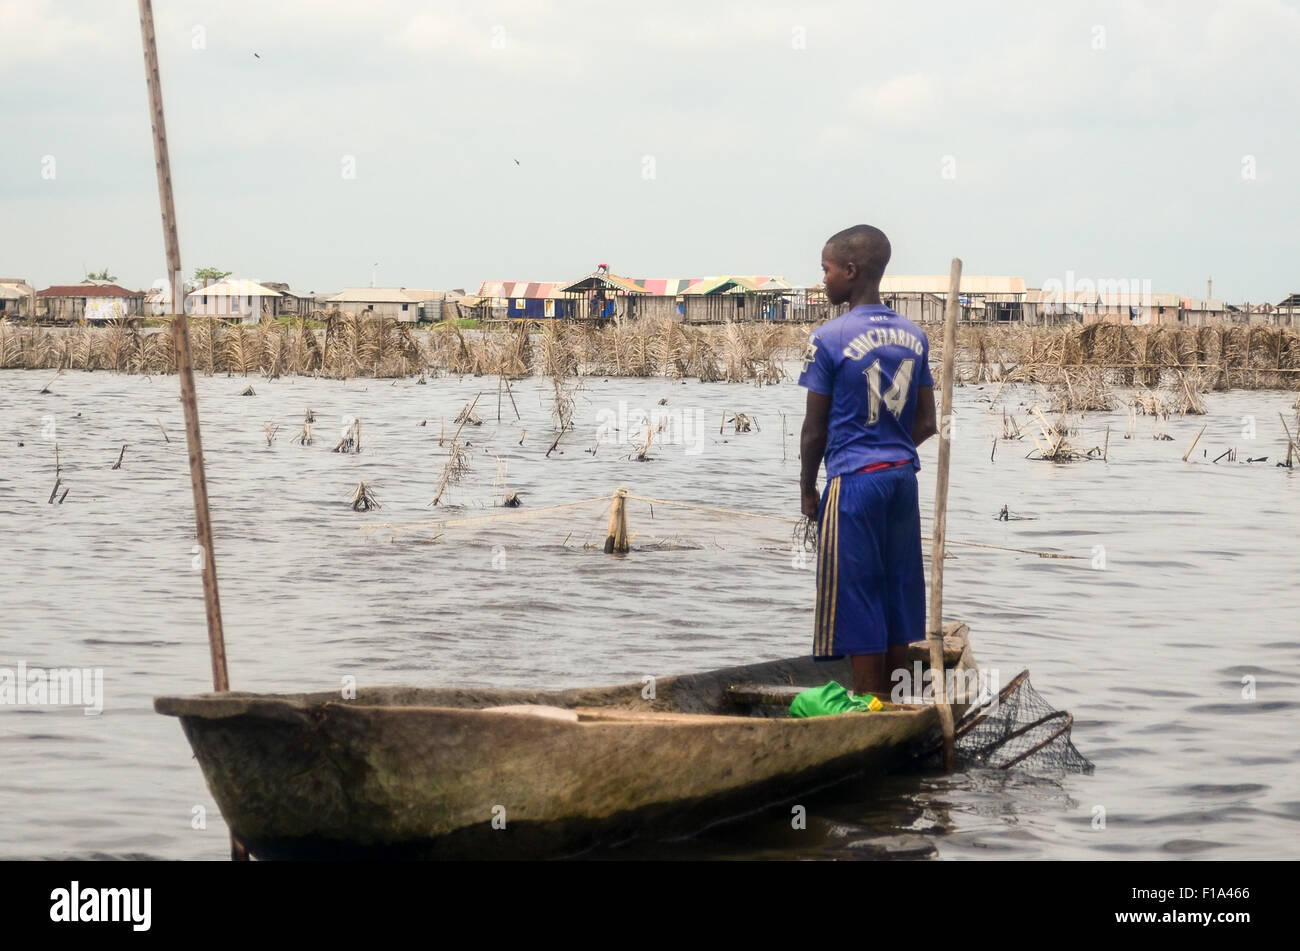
x: 1194, y: 441
x: 934, y: 635
x: 616, y: 538
x: 185, y: 367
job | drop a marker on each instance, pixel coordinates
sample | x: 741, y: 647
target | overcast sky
x: 1149, y: 141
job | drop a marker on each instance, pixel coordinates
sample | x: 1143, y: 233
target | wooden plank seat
x: 956, y: 641
x: 764, y: 694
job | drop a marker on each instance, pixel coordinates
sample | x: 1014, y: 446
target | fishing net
x: 1017, y: 729
x: 651, y: 525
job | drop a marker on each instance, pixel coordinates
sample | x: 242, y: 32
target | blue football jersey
x: 871, y: 362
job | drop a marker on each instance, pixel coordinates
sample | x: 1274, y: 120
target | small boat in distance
x: 450, y: 772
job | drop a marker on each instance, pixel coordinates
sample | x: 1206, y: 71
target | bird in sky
x: 258, y: 55
x: 516, y: 161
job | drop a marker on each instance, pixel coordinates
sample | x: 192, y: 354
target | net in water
x: 1017, y: 729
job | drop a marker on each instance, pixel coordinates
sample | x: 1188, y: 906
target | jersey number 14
x: 894, y: 398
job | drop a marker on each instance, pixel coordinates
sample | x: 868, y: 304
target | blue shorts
x: 870, y: 582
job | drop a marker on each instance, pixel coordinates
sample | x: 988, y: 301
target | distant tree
x: 101, y: 276
x: 206, y: 275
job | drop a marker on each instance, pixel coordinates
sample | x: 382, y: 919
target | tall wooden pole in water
x: 185, y: 365
x: 934, y: 635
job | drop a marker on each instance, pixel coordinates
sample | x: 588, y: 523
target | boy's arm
x: 924, y: 424
x: 812, y: 446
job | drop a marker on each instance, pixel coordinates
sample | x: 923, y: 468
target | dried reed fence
x: 1083, y: 361
x: 352, y: 346
x: 1079, y: 364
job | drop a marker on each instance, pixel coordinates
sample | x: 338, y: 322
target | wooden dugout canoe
x: 409, y: 772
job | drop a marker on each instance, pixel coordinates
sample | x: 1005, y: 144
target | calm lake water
x: 1183, y: 587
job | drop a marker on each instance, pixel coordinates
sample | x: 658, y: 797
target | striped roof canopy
x: 738, y: 283
x: 531, y: 290
x: 666, y: 286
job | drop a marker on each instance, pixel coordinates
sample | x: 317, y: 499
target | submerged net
x: 1017, y: 729
x: 652, y: 525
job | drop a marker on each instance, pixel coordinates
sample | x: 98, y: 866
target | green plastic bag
x: 831, y: 699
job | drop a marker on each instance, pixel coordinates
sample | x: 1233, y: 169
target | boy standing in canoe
x: 870, y: 404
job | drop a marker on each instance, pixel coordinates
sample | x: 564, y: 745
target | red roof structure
x: 88, y: 290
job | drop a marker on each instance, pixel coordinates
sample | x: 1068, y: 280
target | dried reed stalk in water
x: 467, y: 415
x: 1195, y: 440
x: 58, y: 474
x: 351, y: 439
x: 643, y: 454
x: 458, y: 459
x: 455, y: 469
x: 1290, y: 443
x: 363, y: 500
x: 1010, y: 428
x: 562, y: 410
x: 1055, y: 447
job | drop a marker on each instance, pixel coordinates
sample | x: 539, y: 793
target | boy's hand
x: 810, y: 501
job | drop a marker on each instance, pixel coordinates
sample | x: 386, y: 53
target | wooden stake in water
x: 934, y: 635
x: 616, y: 540
x: 185, y: 366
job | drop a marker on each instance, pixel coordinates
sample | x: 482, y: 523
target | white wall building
x: 246, y: 301
x: 392, y: 302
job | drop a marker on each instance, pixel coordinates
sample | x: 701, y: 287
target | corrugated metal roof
x: 236, y: 288
x: 1079, y: 298
x: 1138, y: 299
x: 87, y: 290
x: 655, y: 286
x: 938, y: 284
x: 422, y: 294
x: 10, y: 292
x: 372, y: 295
x: 612, y: 281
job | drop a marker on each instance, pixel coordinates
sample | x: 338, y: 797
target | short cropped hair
x: 863, y: 245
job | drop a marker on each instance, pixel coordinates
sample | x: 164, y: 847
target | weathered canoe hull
x: 406, y: 772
